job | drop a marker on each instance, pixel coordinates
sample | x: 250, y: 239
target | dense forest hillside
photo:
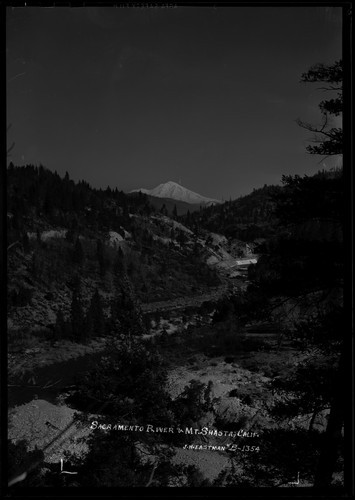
x: 247, y: 218
x: 61, y: 232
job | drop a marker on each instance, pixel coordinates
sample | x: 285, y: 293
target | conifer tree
x: 100, y: 257
x: 118, y: 267
x: 25, y: 242
x: 328, y: 136
x: 77, y: 314
x: 88, y: 324
x: 164, y: 210
x: 330, y: 142
x: 60, y: 325
x: 126, y: 315
x: 78, y: 253
x: 96, y: 314
x: 188, y: 218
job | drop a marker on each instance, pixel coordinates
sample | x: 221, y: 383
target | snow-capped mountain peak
x: 175, y: 191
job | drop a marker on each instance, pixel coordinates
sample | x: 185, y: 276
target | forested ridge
x: 63, y: 236
x: 247, y: 218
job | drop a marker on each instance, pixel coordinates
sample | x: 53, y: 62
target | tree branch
x: 332, y: 133
x: 10, y: 149
x: 12, y: 245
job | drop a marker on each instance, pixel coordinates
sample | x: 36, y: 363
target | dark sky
x: 133, y: 97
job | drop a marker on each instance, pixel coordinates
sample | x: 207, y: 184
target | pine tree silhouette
x: 78, y: 253
x: 95, y: 315
x: 77, y: 315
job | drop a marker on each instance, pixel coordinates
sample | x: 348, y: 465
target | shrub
x: 227, y: 339
x: 21, y: 460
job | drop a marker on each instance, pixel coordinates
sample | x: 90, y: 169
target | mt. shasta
x: 174, y: 191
